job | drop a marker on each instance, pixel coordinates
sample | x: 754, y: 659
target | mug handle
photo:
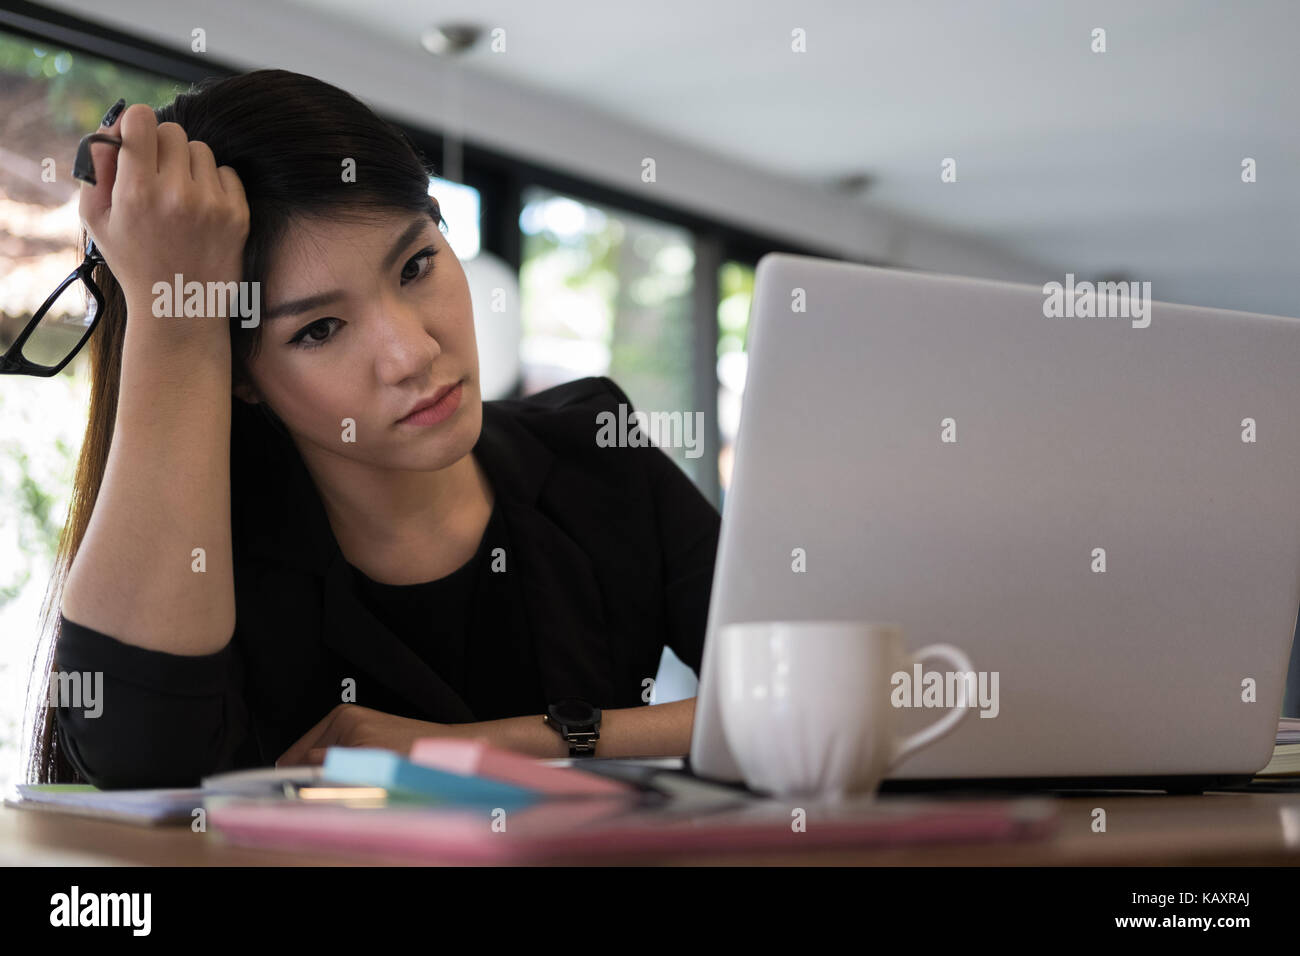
x: 928, y: 735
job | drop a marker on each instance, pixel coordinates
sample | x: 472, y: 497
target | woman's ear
x: 245, y: 393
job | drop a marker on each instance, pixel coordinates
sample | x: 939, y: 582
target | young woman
x: 311, y: 531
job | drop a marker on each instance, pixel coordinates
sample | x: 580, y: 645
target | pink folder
x: 597, y: 829
x: 478, y: 758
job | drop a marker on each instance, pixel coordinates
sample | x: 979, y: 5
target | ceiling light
x: 449, y: 39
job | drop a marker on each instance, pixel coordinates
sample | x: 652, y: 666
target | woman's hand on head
x: 162, y: 206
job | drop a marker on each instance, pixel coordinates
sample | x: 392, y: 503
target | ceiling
x: 1127, y: 160
x: 1124, y: 161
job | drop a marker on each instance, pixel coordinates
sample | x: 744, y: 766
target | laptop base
x: 1172, y: 784
x: 1180, y: 784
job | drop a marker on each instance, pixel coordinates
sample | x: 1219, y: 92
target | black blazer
x: 610, y: 556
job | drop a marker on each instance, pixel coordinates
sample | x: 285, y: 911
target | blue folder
x: 407, y: 781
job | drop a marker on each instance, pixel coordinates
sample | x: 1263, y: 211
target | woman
x: 307, y: 530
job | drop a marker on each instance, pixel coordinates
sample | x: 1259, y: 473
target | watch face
x: 572, y: 710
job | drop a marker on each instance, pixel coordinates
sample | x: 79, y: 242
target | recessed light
x: 449, y: 39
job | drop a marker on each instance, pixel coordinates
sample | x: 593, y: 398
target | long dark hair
x: 287, y: 136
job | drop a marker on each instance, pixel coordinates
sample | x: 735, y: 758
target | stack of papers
x: 129, y: 806
x: 1286, y: 755
x: 152, y: 807
x: 1288, y: 730
x: 441, y: 772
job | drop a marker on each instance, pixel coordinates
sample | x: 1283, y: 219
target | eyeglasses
x: 61, y: 326
x: 64, y: 322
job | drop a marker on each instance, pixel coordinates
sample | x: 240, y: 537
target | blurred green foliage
x: 78, y: 87
x: 735, y: 293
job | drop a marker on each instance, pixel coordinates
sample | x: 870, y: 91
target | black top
x: 605, y: 555
x: 436, y: 620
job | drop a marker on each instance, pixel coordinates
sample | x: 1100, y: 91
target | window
x: 462, y: 210
x: 604, y: 292
x: 49, y: 99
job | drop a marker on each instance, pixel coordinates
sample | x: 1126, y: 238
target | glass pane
x: 735, y: 293
x: 605, y: 292
x: 461, y: 209
x: 62, y: 327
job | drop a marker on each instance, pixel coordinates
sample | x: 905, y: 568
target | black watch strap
x: 582, y: 743
x: 578, y: 722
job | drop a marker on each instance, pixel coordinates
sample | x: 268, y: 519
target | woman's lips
x: 434, y: 414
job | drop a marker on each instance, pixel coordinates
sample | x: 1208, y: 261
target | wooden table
x: 1236, y: 829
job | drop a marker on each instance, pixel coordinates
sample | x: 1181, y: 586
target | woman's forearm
x: 155, y: 566
x: 165, y: 493
x: 663, y: 730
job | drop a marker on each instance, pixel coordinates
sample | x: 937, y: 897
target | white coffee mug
x: 806, y: 705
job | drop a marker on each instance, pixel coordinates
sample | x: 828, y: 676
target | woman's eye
x: 307, y: 337
x: 424, y: 256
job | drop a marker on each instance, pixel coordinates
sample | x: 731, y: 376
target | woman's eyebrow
x: 417, y: 226
x: 294, y: 306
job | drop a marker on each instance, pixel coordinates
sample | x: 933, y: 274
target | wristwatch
x: 576, y: 721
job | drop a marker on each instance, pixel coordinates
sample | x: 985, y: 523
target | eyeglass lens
x: 63, y: 327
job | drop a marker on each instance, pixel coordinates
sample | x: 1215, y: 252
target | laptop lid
x: 1100, y: 506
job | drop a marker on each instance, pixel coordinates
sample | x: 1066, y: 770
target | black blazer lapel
x: 558, y: 600
x: 559, y: 605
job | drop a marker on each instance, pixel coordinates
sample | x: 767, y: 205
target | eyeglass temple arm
x: 83, y: 167
x: 93, y: 255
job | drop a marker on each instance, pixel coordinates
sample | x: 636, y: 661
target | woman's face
x: 380, y: 321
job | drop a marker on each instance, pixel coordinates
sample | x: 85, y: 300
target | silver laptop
x: 1095, y: 496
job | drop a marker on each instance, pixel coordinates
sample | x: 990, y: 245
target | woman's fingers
x: 174, y: 158
x: 324, y: 734
x: 231, y: 183
x: 203, y: 167
x: 167, y: 210
x: 137, y: 160
x: 94, y: 201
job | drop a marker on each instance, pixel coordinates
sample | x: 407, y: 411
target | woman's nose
x: 408, y: 345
